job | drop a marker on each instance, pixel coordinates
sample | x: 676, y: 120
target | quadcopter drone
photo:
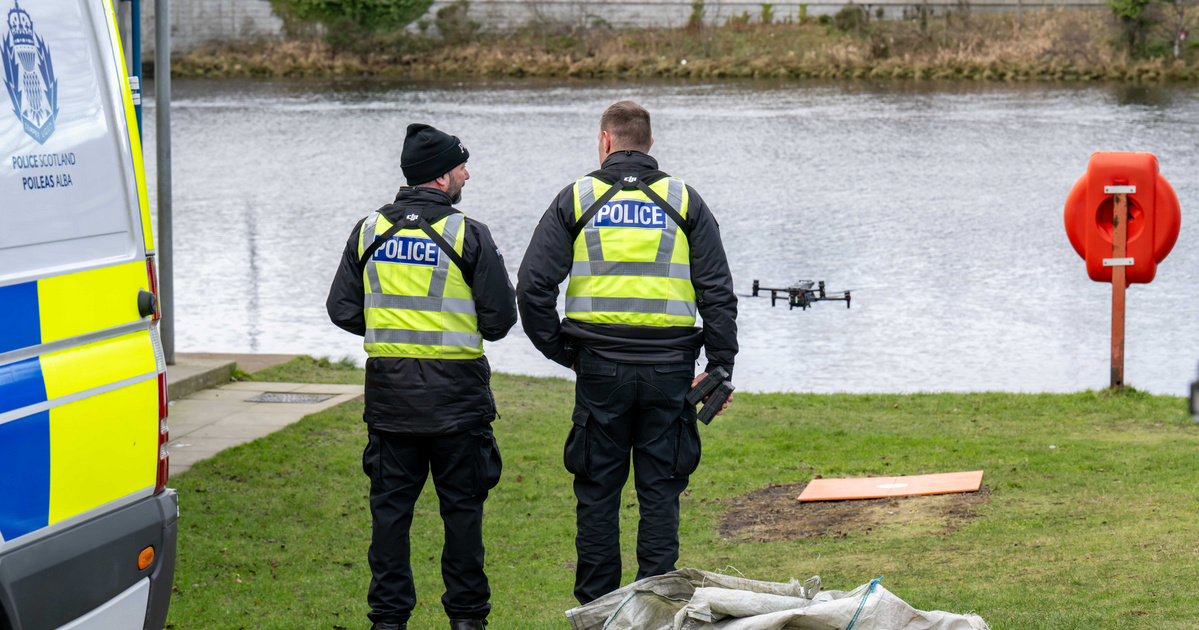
x: 804, y: 295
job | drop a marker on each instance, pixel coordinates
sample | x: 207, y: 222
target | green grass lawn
x: 1097, y: 532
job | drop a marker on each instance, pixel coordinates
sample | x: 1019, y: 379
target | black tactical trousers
x: 622, y: 408
x: 465, y: 466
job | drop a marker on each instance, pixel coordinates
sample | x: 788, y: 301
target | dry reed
x: 1051, y: 45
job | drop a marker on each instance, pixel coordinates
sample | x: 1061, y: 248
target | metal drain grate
x: 288, y: 397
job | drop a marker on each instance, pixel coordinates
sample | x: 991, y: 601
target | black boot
x: 467, y: 624
x: 386, y: 625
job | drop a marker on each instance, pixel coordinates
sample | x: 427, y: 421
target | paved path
x: 209, y: 421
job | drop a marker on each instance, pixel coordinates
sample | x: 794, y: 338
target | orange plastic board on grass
x: 883, y: 487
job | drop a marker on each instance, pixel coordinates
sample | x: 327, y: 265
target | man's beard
x: 455, y: 190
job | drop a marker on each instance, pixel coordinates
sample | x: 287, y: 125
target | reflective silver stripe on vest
x: 595, y: 249
x: 674, y: 197
x: 368, y: 237
x: 420, y: 303
x: 586, y: 195
x: 679, y: 271
x: 453, y: 223
x: 584, y: 304
x: 423, y: 337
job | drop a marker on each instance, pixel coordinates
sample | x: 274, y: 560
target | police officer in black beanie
x: 424, y: 286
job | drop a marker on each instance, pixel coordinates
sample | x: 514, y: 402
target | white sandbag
x: 689, y: 599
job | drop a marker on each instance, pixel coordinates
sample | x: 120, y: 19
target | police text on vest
x: 630, y: 213
x: 408, y: 250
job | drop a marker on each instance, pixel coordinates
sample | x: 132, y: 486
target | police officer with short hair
x: 425, y: 286
x: 644, y: 254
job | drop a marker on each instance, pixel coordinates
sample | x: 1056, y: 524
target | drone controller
x: 716, y: 388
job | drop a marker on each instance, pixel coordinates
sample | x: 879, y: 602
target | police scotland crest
x: 29, y: 75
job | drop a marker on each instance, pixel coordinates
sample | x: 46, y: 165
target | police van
x: 87, y: 525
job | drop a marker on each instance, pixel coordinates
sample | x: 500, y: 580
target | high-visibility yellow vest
x: 631, y: 260
x: 417, y: 303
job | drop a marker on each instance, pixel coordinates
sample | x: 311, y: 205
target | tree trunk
x: 1180, y: 6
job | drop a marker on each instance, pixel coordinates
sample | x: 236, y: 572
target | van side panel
x: 24, y: 475
x: 79, y: 303
x: 102, y: 448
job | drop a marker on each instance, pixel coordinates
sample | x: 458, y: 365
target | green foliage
x: 803, y: 13
x: 240, y: 375
x: 454, y: 25
x: 348, y: 15
x: 738, y: 21
x: 1128, y: 9
x: 306, y: 369
x: 696, y: 20
x: 768, y: 13
x: 850, y: 18
x: 1159, y: 48
x: 824, y: 20
x: 1131, y: 14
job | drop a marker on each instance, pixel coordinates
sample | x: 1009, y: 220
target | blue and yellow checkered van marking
x: 78, y: 425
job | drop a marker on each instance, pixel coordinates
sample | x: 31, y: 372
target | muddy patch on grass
x: 773, y: 513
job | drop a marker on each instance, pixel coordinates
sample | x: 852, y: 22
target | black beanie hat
x: 430, y: 153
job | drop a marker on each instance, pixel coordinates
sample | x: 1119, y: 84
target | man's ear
x: 651, y: 144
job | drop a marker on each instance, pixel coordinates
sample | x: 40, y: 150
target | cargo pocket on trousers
x: 687, y: 454
x: 488, y: 465
x: 574, y: 456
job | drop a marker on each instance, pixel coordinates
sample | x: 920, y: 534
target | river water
x: 939, y: 205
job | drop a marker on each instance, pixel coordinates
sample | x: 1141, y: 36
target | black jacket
x: 429, y: 396
x: 548, y: 261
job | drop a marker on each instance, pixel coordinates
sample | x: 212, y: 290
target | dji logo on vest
x: 631, y: 213
x: 408, y: 250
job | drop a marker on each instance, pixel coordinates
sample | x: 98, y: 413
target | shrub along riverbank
x: 1055, y: 45
x: 1086, y: 519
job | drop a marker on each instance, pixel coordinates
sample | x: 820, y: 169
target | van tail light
x: 153, y: 274
x: 164, y: 436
